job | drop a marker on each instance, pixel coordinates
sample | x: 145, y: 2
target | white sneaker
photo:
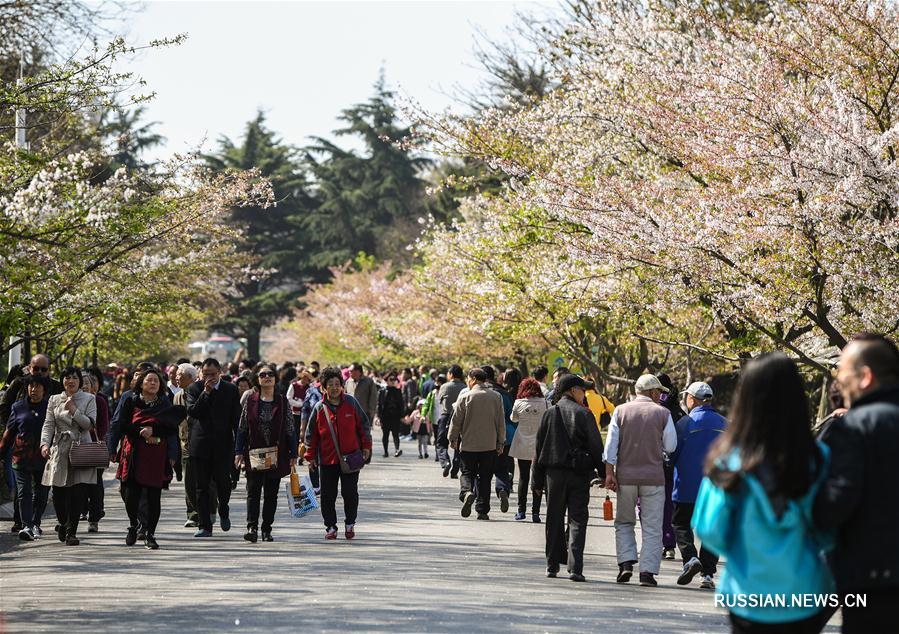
x: 707, y: 582
x: 26, y: 535
x: 37, y: 532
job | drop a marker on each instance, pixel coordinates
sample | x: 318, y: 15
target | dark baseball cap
x: 568, y: 381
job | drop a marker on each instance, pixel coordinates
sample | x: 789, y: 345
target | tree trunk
x: 522, y: 360
x: 822, y: 402
x: 253, y: 339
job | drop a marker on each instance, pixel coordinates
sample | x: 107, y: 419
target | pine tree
x: 367, y: 202
x: 275, y: 237
x: 129, y: 136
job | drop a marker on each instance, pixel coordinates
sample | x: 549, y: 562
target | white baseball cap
x: 700, y: 390
x: 649, y: 382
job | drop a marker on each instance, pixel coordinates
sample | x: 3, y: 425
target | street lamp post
x: 15, y: 352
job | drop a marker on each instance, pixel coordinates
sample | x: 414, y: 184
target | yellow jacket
x: 599, y: 405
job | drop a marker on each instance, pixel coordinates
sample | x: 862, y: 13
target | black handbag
x: 92, y: 454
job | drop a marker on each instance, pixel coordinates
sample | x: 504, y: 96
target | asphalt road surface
x: 415, y: 566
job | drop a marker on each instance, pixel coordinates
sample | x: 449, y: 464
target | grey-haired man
x: 639, y: 432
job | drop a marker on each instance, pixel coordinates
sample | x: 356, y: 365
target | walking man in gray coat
x: 363, y: 389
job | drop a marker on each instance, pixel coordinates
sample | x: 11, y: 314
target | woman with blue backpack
x: 754, y: 507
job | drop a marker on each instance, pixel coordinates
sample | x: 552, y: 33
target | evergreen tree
x: 275, y: 237
x: 130, y: 137
x: 368, y: 202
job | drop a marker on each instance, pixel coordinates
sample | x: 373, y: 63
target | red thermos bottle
x: 607, y: 509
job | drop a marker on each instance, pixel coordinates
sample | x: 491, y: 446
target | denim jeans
x: 504, y: 468
x: 32, y: 495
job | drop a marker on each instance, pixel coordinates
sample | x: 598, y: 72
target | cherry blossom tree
x: 130, y: 258
x: 697, y: 166
x: 81, y: 257
x: 381, y: 317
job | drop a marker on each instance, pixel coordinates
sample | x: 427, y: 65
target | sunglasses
x: 38, y: 368
x: 265, y: 375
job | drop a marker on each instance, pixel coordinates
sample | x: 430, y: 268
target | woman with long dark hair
x: 755, y: 505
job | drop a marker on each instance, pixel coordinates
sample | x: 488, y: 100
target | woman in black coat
x: 670, y: 402
x: 265, y: 422
x: 149, y: 450
x: 391, y: 408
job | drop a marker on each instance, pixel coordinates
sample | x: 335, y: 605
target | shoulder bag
x: 93, y: 455
x: 263, y: 458
x: 351, y: 462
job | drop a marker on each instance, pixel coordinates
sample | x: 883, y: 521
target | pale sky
x: 302, y: 62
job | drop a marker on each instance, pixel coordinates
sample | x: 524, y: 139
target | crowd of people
x: 794, y: 509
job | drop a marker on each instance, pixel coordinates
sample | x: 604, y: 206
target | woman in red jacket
x: 338, y: 412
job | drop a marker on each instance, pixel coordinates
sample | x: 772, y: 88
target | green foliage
x: 368, y: 202
x: 275, y: 238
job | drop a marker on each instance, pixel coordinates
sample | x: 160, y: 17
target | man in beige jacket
x: 478, y: 430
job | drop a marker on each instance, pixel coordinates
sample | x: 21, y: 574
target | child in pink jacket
x: 421, y: 427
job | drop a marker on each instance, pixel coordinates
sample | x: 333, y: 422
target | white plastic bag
x: 306, y: 502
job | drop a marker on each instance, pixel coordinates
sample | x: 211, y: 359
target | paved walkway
x: 415, y: 566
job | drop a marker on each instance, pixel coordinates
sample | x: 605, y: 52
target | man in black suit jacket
x: 215, y: 404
